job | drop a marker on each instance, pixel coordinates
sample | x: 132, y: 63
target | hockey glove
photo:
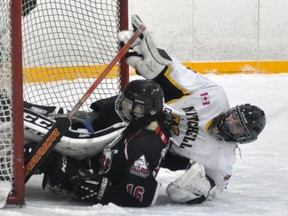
x: 192, y: 187
x: 84, y: 120
x: 58, y: 170
x: 147, y: 59
x: 91, y: 187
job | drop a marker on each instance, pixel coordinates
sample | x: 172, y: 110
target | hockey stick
x: 61, y: 126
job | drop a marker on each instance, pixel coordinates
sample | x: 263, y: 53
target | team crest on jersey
x: 205, y: 98
x: 140, y: 167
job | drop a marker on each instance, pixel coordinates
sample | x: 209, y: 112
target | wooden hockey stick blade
x: 43, y: 149
x: 47, y: 144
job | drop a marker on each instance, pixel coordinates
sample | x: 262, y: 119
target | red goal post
x: 65, y: 47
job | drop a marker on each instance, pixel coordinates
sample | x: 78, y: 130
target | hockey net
x: 65, y: 47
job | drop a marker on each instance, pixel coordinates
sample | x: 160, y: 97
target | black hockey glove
x: 84, y: 120
x: 91, y: 187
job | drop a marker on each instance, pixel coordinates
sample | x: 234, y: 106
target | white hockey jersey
x: 191, y: 115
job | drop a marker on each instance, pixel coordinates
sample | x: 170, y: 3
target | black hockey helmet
x: 252, y: 121
x: 141, y: 98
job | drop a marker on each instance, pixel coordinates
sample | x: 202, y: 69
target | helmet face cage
x: 252, y: 121
x: 246, y: 135
x: 123, y: 107
x: 141, y: 98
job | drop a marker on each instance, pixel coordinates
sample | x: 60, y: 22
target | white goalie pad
x: 81, y: 148
x: 77, y: 144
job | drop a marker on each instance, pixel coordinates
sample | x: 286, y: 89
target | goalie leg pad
x: 192, y: 186
x: 77, y: 144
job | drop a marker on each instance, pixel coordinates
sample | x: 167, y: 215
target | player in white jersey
x: 204, y: 128
x: 191, y: 117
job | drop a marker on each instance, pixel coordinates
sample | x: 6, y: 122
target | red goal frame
x: 17, y: 196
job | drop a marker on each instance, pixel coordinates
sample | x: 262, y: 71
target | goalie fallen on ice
x: 103, y: 160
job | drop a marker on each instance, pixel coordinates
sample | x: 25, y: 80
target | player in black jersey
x: 125, y: 172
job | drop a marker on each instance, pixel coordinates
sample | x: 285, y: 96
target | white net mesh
x: 6, y: 132
x: 66, y: 44
x: 68, y: 40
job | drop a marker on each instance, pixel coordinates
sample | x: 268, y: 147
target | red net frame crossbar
x: 17, y: 195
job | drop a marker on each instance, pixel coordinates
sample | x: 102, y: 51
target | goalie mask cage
x: 66, y: 44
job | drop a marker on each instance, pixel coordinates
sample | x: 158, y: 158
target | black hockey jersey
x: 132, y: 162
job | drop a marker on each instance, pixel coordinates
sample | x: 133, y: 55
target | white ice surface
x: 259, y: 185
